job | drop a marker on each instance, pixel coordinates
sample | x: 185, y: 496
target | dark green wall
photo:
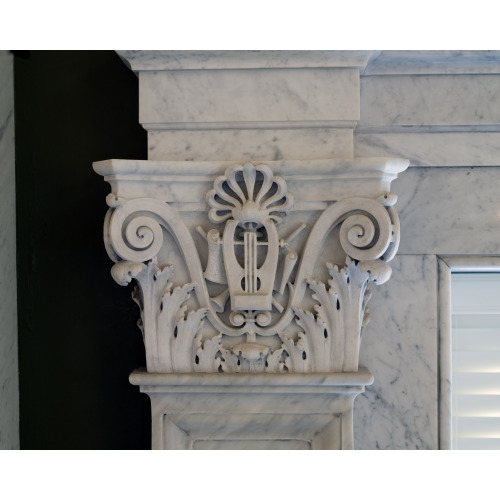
x: 78, y: 341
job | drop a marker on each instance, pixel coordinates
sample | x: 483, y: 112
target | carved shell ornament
x: 258, y: 304
x: 250, y: 195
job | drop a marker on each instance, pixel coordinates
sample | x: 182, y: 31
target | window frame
x: 446, y: 266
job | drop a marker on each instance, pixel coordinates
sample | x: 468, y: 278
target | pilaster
x: 254, y: 237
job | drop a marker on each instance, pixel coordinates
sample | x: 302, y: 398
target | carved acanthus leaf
x: 176, y: 330
x: 299, y: 352
x: 274, y: 362
x: 206, y: 353
x: 152, y: 282
x: 229, y: 362
x: 326, y: 333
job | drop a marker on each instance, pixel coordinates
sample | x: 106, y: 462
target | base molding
x: 252, y: 411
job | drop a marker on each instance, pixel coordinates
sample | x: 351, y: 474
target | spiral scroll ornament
x: 135, y: 230
x: 249, y: 308
x: 366, y: 235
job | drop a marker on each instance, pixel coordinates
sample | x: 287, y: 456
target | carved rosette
x: 258, y: 298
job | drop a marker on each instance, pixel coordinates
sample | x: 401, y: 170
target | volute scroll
x: 248, y: 297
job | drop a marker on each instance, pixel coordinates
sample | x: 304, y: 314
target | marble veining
x: 250, y: 145
x: 242, y: 343
x: 254, y: 444
x: 164, y: 60
x: 430, y: 99
x: 220, y: 411
x: 462, y: 148
x: 9, y: 383
x: 266, y: 301
x: 427, y: 62
x: 449, y: 211
x: 269, y: 95
x: 399, y: 411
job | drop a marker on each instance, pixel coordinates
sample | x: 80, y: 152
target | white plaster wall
x: 9, y: 381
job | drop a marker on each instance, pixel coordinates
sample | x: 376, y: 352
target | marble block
x: 9, y: 383
x: 222, y: 98
x: 449, y: 211
x: 430, y: 100
x: 250, y: 145
x: 471, y: 147
x: 400, y: 345
x: 257, y: 411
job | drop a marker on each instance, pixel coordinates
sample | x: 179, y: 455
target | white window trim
x: 447, y: 265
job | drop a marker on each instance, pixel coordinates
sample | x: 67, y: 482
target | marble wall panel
x: 400, y: 348
x: 269, y: 95
x: 449, y: 211
x: 9, y: 383
x: 430, y: 100
x: 249, y: 145
x: 428, y: 62
x: 428, y: 149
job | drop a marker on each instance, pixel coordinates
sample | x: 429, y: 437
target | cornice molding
x: 173, y: 60
x: 433, y: 62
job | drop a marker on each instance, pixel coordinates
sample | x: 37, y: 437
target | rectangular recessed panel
x: 263, y: 444
x: 256, y: 427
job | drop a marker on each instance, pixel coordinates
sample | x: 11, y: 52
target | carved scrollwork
x: 135, y: 230
x: 367, y: 233
x: 245, y: 311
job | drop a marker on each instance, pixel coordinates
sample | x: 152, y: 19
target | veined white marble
x: 9, y: 383
x: 239, y: 96
x: 445, y: 353
x: 430, y: 100
x: 250, y: 145
x: 257, y: 411
x: 344, y: 206
x: 400, y: 409
x: 234, y: 334
x: 449, y: 211
x: 428, y: 62
x: 165, y: 60
x: 312, y: 182
x: 433, y: 147
x: 438, y: 108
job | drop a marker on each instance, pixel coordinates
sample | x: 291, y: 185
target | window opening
x: 475, y: 320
